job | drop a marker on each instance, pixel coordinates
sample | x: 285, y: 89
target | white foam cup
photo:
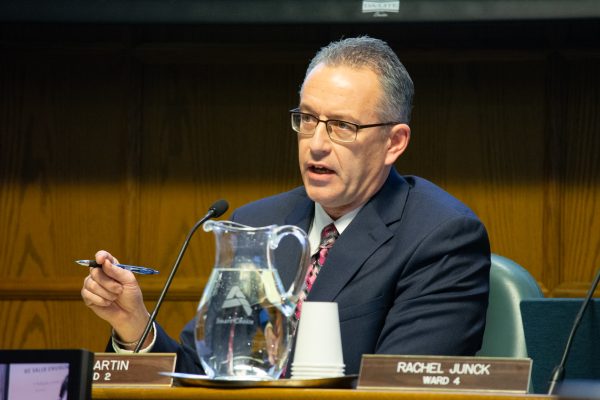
x: 320, y: 374
x: 318, y: 341
x: 317, y: 369
x: 320, y: 365
x: 304, y: 373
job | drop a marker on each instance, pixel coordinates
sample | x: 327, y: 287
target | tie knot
x: 328, y: 236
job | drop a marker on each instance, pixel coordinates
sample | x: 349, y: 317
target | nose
x: 320, y: 141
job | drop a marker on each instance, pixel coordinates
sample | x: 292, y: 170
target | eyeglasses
x: 338, y: 131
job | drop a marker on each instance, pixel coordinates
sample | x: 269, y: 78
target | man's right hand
x: 115, y: 296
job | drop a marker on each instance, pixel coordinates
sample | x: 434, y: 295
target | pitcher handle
x: 279, y: 233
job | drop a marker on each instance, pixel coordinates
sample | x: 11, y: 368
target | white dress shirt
x: 321, y: 220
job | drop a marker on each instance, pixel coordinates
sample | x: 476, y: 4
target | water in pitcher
x: 244, y: 324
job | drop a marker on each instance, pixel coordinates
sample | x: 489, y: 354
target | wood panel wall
x: 120, y: 137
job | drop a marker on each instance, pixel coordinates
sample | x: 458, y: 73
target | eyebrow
x: 337, y: 117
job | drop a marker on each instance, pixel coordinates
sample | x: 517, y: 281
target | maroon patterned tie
x: 328, y: 235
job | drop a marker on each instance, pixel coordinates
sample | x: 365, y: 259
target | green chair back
x: 509, y: 284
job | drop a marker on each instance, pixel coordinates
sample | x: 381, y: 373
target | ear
x: 397, y: 142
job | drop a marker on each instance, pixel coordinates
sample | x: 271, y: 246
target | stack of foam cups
x: 318, y: 352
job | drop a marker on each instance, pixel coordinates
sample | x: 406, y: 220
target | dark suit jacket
x: 410, y: 273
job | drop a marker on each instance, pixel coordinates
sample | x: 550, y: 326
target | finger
x: 98, y: 283
x: 91, y: 299
x: 277, y: 327
x: 107, y: 261
x: 104, y: 255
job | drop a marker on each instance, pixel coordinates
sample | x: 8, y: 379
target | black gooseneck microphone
x: 216, y: 210
x: 559, y: 372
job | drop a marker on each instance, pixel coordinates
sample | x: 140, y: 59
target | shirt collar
x: 322, y: 219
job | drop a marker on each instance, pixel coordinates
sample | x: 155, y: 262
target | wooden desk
x: 180, y: 393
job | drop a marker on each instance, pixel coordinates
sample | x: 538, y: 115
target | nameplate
x: 111, y: 369
x: 392, y: 372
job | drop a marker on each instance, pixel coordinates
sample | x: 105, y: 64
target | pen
x: 133, y: 268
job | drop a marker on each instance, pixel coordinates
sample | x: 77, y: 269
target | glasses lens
x: 304, y: 123
x: 295, y: 122
x: 342, y: 131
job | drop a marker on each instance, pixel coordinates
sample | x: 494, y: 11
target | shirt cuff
x: 147, y: 349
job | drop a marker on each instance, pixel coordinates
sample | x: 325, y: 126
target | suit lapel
x: 302, y: 215
x: 289, y: 250
x: 365, y: 234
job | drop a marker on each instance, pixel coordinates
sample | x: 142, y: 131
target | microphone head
x: 219, y: 208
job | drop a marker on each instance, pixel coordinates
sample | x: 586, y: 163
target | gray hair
x: 375, y: 54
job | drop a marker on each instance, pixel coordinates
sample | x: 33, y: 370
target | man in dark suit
x: 409, y: 268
